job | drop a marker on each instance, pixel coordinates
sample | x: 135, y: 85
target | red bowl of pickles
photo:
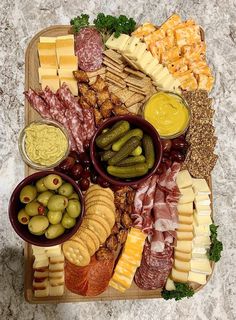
x: 15, y: 206
x: 135, y: 122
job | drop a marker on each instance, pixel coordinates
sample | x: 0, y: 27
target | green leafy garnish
x: 216, y: 247
x: 107, y: 24
x: 80, y: 22
x: 183, y: 290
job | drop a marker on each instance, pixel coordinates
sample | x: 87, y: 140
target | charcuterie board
x: 32, y: 81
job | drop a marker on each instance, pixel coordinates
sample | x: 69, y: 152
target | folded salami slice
x: 38, y: 104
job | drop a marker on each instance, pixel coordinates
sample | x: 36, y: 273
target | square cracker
x: 138, y: 74
x: 110, y: 63
x: 113, y: 55
x: 124, y: 94
x: 114, y: 77
x: 100, y: 71
x: 120, y: 74
x: 137, y: 97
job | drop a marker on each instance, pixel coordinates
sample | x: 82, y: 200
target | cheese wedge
x: 170, y: 285
x: 184, y: 235
x: 201, y: 266
x: 64, y: 47
x: 200, y: 186
x: 72, y: 84
x: 46, y: 72
x: 197, y: 277
x: 179, y: 276
x: 47, y: 40
x: 46, y: 49
x: 185, y: 219
x: 185, y: 209
x: 182, y: 256
x: 184, y: 246
x: 184, y: 179
x: 51, y: 81
x: 187, y: 195
x: 68, y: 62
x: 56, y: 291
x: 182, y: 265
x: 47, y: 61
x: 117, y: 43
x: 185, y: 227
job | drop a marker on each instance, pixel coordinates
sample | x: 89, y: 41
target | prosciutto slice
x: 158, y: 241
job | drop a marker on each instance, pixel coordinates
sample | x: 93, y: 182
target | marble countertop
x: 20, y: 20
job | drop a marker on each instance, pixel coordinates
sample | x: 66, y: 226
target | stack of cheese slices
x: 57, y: 62
x: 48, y: 266
x: 136, y: 53
x: 191, y: 263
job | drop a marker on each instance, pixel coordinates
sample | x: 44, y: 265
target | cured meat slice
x: 76, y: 128
x: 158, y: 241
x: 38, y: 104
x: 167, y: 179
x: 89, y: 123
x: 89, y: 49
x: 139, y: 197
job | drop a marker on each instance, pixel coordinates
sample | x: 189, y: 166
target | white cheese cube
x: 197, y: 277
x: 202, y: 219
x: 200, y: 186
x: 201, y: 266
x: 131, y: 45
x: 184, y: 179
x: 187, y: 195
x: 202, y: 241
x: 170, y: 285
x: 179, y: 276
x: 203, y: 210
x: 117, y: 43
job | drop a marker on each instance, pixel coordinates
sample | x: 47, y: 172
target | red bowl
x: 136, y: 122
x: 22, y: 230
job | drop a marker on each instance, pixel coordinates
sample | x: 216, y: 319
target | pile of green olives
x: 51, y: 206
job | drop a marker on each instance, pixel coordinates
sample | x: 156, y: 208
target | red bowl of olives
x: 46, y: 208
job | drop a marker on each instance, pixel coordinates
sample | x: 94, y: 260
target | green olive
x: 57, y: 203
x: 28, y: 194
x: 74, y: 196
x: 67, y: 221
x: 34, y: 208
x: 23, y: 217
x: 52, y: 181
x: 39, y: 233
x: 54, y: 231
x: 54, y: 217
x: 44, y: 197
x: 40, y: 185
x: 66, y: 190
x: 74, y: 208
x: 38, y: 224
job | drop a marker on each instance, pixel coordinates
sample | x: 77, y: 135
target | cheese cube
x: 185, y: 219
x: 117, y: 43
x: 197, y: 277
x: 37, y: 249
x: 158, y: 77
x: 185, y: 227
x: 51, y: 81
x: 72, y: 84
x: 56, y: 274
x: 184, y: 235
x: 184, y: 246
x: 66, y: 73
x: 182, y: 265
x: 64, y: 47
x: 149, y: 69
x: 201, y: 266
x: 68, y: 62
x: 202, y: 199
x: 140, y: 48
x: 56, y: 291
x: 202, y: 219
x: 179, y: 276
x: 182, y: 256
x: 199, y: 256
x: 40, y: 284
x: 56, y: 266
x: 57, y: 259
x: 200, y: 186
x: 41, y: 274
x: 40, y: 256
x: 184, y: 179
x: 123, y: 280
x: 187, y: 195
x: 199, y: 230
x: 198, y: 251
x: 56, y: 281
x: 202, y: 241
x: 144, y: 60
x: 202, y: 210
x: 131, y: 45
x: 155, y: 71
x: 54, y: 251
x: 41, y: 264
x: 166, y: 81
x: 48, y: 61
x: 46, y: 49
x: 42, y: 293
x: 170, y: 285
x: 185, y: 209
x: 46, y: 72
x: 47, y: 40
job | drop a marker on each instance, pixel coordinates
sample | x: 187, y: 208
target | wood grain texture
x: 32, y: 81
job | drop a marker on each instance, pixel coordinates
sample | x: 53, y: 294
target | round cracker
x: 94, y: 203
x: 76, y: 252
x: 100, y: 209
x: 103, y: 222
x: 97, y: 228
x: 88, y: 241
x: 99, y: 197
x: 96, y: 188
x: 92, y: 235
x: 105, y: 214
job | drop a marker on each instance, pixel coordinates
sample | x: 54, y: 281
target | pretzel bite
x: 106, y: 109
x: 121, y: 111
x: 97, y: 116
x: 83, y: 103
x: 83, y: 88
x: 81, y: 76
x: 99, y: 84
x: 115, y: 100
x: 126, y: 220
x: 122, y: 236
x: 90, y: 98
x: 112, y: 242
x: 102, y: 96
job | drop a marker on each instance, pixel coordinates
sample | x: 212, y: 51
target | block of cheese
x: 46, y: 72
x: 202, y: 210
x: 184, y: 179
x: 72, y: 84
x: 40, y: 264
x: 170, y: 285
x: 182, y: 265
x: 184, y: 235
x: 57, y: 259
x: 40, y: 274
x: 200, y: 186
x: 40, y: 256
x: 202, y: 199
x: 149, y: 69
x: 201, y: 266
x: 199, y: 256
x: 66, y: 37
x: 166, y: 81
x: 54, y: 251
x: 140, y: 49
x: 131, y: 45
x: 179, y: 276
x: 66, y: 73
x: 199, y: 250
x: 56, y: 281
x: 42, y: 293
x: 187, y: 195
x: 202, y: 241
x: 51, y: 81
x: 48, y: 61
x: 197, y: 277
x: 38, y: 250
x: 185, y: 227
x: 56, y: 274
x: 47, y: 39
x: 116, y: 286
x: 56, y: 291
x: 117, y: 43
x: 145, y: 59
x: 202, y: 219
x: 157, y: 78
x: 185, y: 219
x: 185, y: 209
x: 200, y: 230
x: 182, y: 256
x: 56, y: 266
x: 155, y: 71
x: 68, y: 62
x: 40, y: 284
x: 46, y: 49
x: 64, y: 47
x: 184, y: 246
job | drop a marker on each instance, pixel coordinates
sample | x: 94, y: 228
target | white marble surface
x: 20, y: 20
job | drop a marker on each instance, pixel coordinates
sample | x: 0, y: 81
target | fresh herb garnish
x: 80, y: 22
x: 216, y: 247
x: 183, y: 290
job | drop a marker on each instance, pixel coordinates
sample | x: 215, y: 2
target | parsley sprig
x: 183, y: 290
x: 216, y: 247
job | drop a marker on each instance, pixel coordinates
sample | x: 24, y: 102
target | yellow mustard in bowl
x: 168, y: 113
x: 45, y: 144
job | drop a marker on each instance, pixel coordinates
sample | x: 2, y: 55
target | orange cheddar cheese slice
x: 68, y: 62
x: 170, y: 23
x: 46, y: 49
x: 48, y: 61
x: 46, y: 72
x: 72, y: 84
x: 51, y: 81
x: 64, y: 47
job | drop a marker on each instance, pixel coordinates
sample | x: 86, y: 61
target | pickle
x: 131, y: 161
x: 113, y: 134
x: 125, y: 150
x: 106, y: 155
x: 132, y: 133
x: 137, y: 152
x: 134, y: 171
x: 149, y: 152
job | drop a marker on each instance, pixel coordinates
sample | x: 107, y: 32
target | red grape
x: 103, y: 183
x: 74, y: 154
x: 67, y: 164
x: 94, y: 176
x: 176, y: 156
x: 84, y: 159
x: 86, y: 172
x: 86, y: 145
x: 76, y: 171
x: 84, y: 184
x: 166, y: 144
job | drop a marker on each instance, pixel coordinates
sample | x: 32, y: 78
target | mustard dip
x: 45, y: 144
x: 167, y: 113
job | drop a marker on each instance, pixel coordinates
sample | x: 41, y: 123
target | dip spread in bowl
x: 43, y: 144
x: 168, y: 113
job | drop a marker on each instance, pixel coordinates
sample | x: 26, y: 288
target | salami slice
x: 89, y: 123
x: 38, y: 104
x: 89, y: 49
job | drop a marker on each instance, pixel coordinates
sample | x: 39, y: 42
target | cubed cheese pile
x: 137, y: 54
x: 193, y: 236
x: 129, y: 260
x: 48, y: 266
x: 57, y: 62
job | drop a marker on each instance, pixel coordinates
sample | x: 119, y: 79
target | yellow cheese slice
x: 66, y: 73
x: 42, y: 293
x: 56, y: 291
x: 130, y: 45
x: 182, y: 265
x: 152, y: 66
x: 185, y: 219
x: 179, y: 276
x: 182, y: 256
x: 117, y: 43
x: 184, y: 246
x: 145, y: 59
x: 202, y: 220
x: 185, y: 227
x: 68, y: 62
x: 158, y: 77
x: 47, y: 39
x: 72, y: 84
x: 201, y: 266
x: 184, y: 179
x: 56, y: 266
x: 116, y: 286
x: 46, y: 49
x: 66, y: 37
x: 185, y: 209
x: 46, y: 72
x: 51, y: 81
x: 48, y: 61
x: 184, y: 235
x: 197, y: 277
x: 187, y: 195
x: 64, y: 47
x: 122, y: 280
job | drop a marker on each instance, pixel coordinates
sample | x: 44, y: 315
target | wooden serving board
x: 32, y: 81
